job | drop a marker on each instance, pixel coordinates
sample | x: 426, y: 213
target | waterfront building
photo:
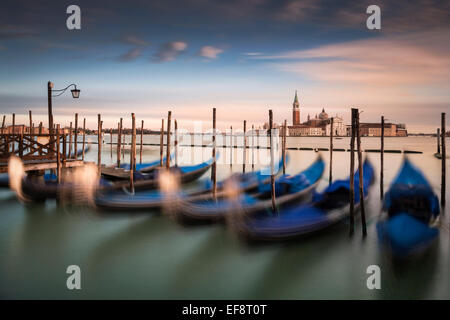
x: 296, y: 111
x: 320, y: 125
x: 390, y: 130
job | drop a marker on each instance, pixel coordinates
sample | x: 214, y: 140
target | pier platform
x: 30, y: 165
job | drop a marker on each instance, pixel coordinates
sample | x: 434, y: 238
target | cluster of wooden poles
x: 355, y: 135
x: 73, y: 131
x: 133, y: 149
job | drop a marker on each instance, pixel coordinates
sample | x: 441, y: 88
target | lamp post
x: 50, y: 90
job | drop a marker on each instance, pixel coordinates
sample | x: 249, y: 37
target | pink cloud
x: 170, y: 51
x: 210, y: 52
x: 394, y: 60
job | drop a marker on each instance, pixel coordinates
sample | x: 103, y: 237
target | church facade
x: 320, y: 125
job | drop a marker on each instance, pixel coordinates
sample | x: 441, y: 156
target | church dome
x: 323, y: 115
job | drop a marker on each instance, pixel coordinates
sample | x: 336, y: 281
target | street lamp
x: 75, y: 95
x: 75, y: 92
x: 50, y: 90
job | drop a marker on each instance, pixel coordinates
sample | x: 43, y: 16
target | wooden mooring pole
x: 70, y: 141
x: 84, y: 138
x: 161, y: 144
x: 40, y: 132
x: 124, y: 140
x: 244, y: 152
x: 352, y: 172
x: 438, y: 135
x: 213, y: 169
x: 443, y: 133
x: 361, y: 177
x: 99, y: 139
x: 13, y: 132
x: 119, y: 141
x: 30, y: 116
x: 382, y: 160
x: 58, y: 155
x: 132, y: 152
x: 75, y: 137
x: 283, y: 146
x: 272, y: 175
x: 253, y: 147
x: 110, y: 142
x: 169, y: 121
x: 3, y: 130
x: 176, y: 143
x: 231, y: 146
x: 142, y: 141
x: 330, y: 180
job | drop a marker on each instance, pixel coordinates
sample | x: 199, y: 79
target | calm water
x: 150, y: 256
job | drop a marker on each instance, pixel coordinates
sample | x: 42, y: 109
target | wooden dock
x: 36, y: 165
x: 38, y: 151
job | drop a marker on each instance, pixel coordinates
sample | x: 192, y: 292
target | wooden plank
x: 43, y: 165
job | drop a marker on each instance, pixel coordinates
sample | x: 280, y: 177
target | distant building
x: 374, y: 130
x: 320, y: 125
x: 296, y: 111
x: 390, y: 130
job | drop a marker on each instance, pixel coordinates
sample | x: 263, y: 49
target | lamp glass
x: 75, y: 93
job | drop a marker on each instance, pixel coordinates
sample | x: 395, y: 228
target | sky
x: 241, y: 57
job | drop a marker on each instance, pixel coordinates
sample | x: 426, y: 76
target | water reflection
x: 150, y: 256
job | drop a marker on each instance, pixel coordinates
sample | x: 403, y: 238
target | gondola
x: 4, y: 177
x: 147, y: 166
x: 38, y: 190
x: 154, y: 199
x: 122, y: 172
x: 288, y: 190
x: 326, y: 209
x: 411, y: 212
x: 4, y: 180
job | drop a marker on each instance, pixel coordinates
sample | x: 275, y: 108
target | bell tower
x: 296, y: 111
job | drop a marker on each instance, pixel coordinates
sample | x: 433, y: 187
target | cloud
x: 169, y: 51
x: 252, y: 54
x: 396, y: 16
x: 131, y: 55
x: 135, y: 52
x: 134, y: 40
x: 210, y: 52
x: 297, y: 10
x: 11, y: 31
x: 411, y: 59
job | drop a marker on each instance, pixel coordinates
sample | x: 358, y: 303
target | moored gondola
x: 153, y: 199
x: 288, y: 189
x: 326, y: 209
x: 39, y: 189
x: 411, y: 213
x: 123, y: 171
